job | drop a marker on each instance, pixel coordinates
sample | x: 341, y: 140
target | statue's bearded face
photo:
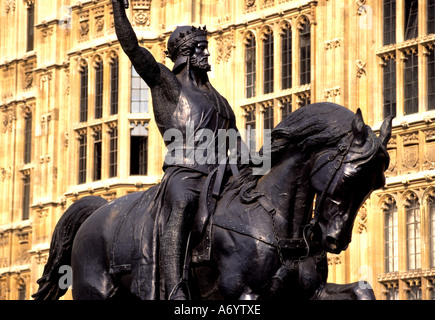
x: 199, y: 58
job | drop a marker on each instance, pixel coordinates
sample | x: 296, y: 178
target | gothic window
x: 411, y: 19
x: 250, y: 129
x: 431, y: 80
x: 389, y: 88
x: 286, y: 58
x: 139, y: 149
x: 413, y: 234
x: 97, y: 155
x: 26, y: 197
x: 430, y: 16
x: 432, y: 230
x: 114, y: 82
x: 28, y: 138
x: 305, y: 54
x: 82, y: 158
x: 22, y: 291
x: 286, y: 109
x: 84, y: 94
x: 393, y: 292
x: 389, y: 23
x: 411, y: 83
x: 250, y: 67
x: 414, y: 290
x: 268, y: 118
x: 99, y: 90
x: 139, y: 93
x: 391, y: 237
x: 304, y: 99
x: 30, y: 26
x: 113, y: 153
x: 268, y: 63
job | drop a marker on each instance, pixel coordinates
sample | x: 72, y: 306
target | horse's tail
x: 61, y: 246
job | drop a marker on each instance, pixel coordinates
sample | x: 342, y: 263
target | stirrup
x: 175, y: 290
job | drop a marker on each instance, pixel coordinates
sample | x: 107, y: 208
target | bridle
x: 339, y: 157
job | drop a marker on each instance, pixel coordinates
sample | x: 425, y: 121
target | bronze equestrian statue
x: 258, y: 238
x: 182, y: 97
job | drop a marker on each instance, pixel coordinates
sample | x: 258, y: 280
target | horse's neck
x: 289, y: 191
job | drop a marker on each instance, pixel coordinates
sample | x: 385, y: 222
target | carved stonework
x: 3, y: 290
x: 141, y: 4
x: 141, y: 18
x: 429, y: 157
x: 99, y: 25
x: 362, y: 220
x: 9, y: 116
x: 84, y: 26
x: 410, y: 157
x: 28, y: 75
x: 392, y: 168
x: 9, y: 5
x: 429, y: 150
x: 334, y: 260
x: 250, y: 5
x: 332, y: 44
x: 267, y: 4
x: 225, y: 45
x: 333, y: 92
x: 360, y: 68
x: 411, y: 153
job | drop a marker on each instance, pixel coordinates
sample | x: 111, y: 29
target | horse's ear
x: 359, y: 128
x: 385, y: 133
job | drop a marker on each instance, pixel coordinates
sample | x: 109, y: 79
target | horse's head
x: 344, y: 176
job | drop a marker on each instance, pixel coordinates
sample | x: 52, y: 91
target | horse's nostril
x: 332, y: 243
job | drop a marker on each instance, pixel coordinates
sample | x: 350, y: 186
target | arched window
x: 268, y: 62
x: 431, y: 209
x: 430, y: 16
x: 431, y: 79
x: 30, y: 27
x: 411, y: 19
x: 83, y: 142
x: 28, y: 138
x: 391, y: 236
x: 389, y: 87
x: 139, y: 149
x: 26, y: 197
x: 250, y: 67
x: 113, y: 153
x: 412, y: 213
x: 410, y: 83
x: 99, y: 90
x: 139, y: 93
x: 84, y: 93
x: 305, y: 54
x: 114, y: 82
x: 286, y: 58
x: 98, y: 144
x: 389, y: 22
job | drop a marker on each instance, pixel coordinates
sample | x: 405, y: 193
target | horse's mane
x: 309, y: 128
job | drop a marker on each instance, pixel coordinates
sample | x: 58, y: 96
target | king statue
x: 182, y: 99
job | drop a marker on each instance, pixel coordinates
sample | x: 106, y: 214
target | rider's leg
x: 173, y: 246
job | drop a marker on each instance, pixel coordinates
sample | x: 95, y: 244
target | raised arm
x: 142, y: 60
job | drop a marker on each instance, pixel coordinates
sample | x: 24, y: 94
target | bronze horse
x: 269, y: 234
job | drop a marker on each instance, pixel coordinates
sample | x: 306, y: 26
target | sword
x: 126, y: 4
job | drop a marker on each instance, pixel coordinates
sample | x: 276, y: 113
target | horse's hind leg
x: 91, y: 282
x: 91, y: 278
